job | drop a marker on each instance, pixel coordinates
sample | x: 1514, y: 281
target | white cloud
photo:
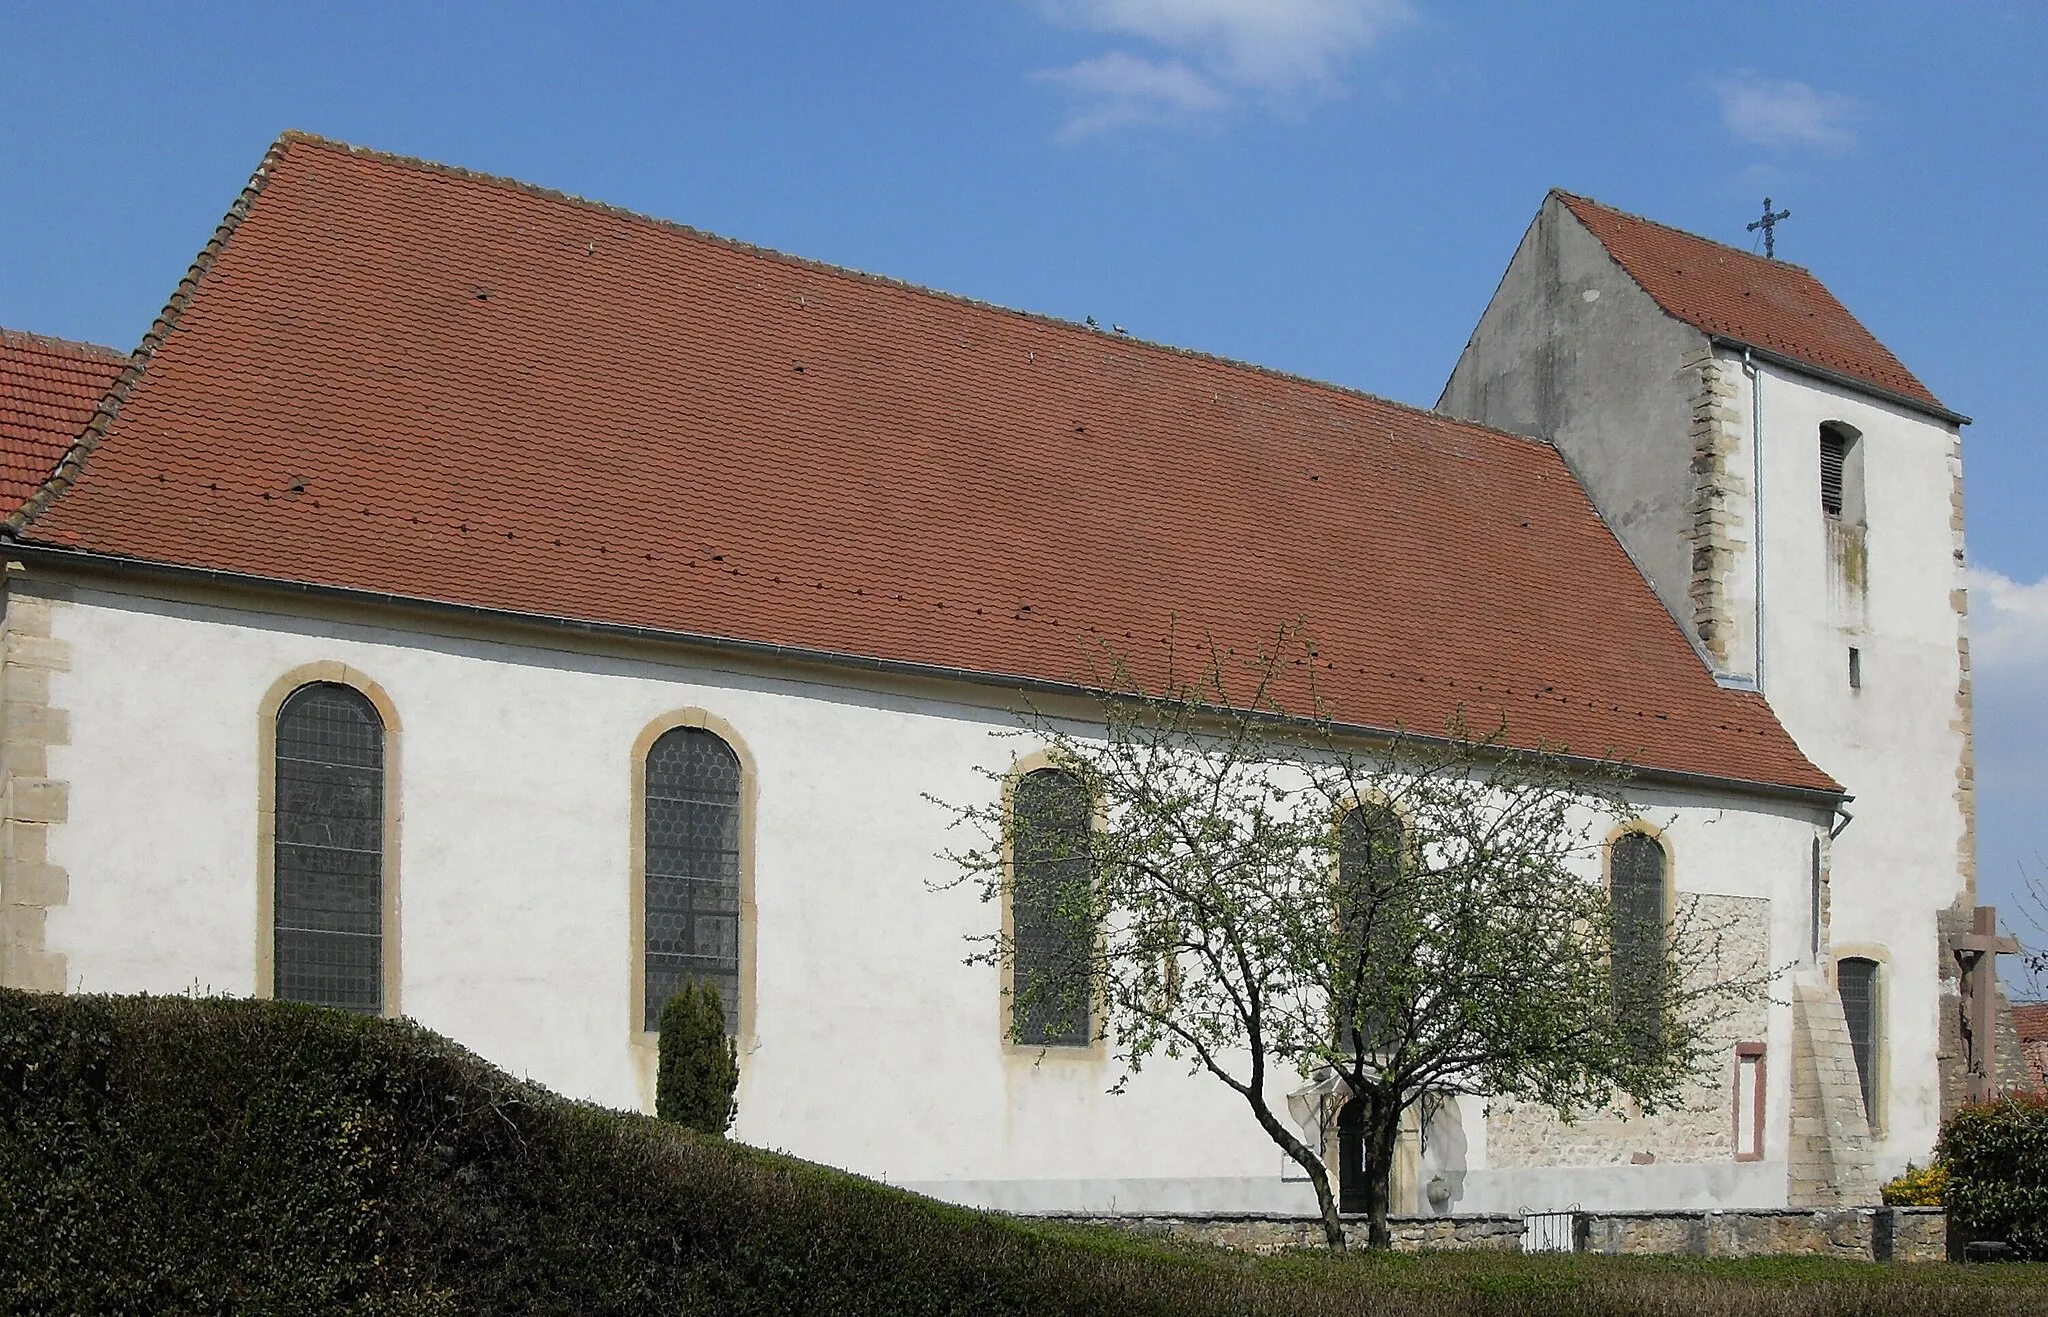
x: 2009, y: 662
x: 1119, y: 88
x: 1778, y: 112
x: 1207, y: 55
x: 2008, y: 623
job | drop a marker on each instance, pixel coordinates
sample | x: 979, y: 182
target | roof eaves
x: 58, y: 555
x: 1836, y: 377
x: 69, y: 466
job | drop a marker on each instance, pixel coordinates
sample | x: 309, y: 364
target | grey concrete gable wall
x: 1607, y: 381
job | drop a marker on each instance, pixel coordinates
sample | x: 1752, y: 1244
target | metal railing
x: 1553, y: 1232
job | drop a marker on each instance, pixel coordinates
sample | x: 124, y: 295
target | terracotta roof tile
x: 49, y: 388
x: 2030, y: 1021
x: 1735, y: 294
x: 397, y: 377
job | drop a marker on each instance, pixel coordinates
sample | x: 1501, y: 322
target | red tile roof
x: 1735, y: 294
x: 2030, y: 1021
x: 49, y: 388
x: 391, y: 376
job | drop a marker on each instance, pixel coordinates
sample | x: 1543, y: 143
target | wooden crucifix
x: 1977, y: 952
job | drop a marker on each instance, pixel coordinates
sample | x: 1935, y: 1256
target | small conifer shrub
x: 699, y: 1069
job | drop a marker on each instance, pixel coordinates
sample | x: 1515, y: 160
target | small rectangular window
x: 1749, y: 1102
x: 1855, y: 668
x: 1834, y: 455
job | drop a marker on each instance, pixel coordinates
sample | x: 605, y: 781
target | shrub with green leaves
x: 699, y: 1068
x: 1997, y: 1159
x: 1917, y: 1186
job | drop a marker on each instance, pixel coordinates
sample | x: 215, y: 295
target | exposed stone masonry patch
x: 1717, y: 504
x: 1963, y: 724
x: 31, y: 801
x: 1699, y: 1129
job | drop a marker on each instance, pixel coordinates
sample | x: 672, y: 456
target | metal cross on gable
x: 1769, y: 224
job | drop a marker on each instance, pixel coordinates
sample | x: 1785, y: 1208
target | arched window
x: 1856, y: 981
x: 1374, y: 913
x: 1052, y: 921
x: 1635, y: 886
x: 693, y: 870
x: 328, y: 866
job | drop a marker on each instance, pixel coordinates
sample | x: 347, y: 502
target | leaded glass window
x: 693, y: 870
x: 1856, y: 980
x: 1052, y: 920
x: 1374, y: 917
x: 329, y: 860
x: 1635, y: 883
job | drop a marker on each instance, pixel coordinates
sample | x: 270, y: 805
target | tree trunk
x: 1312, y: 1162
x: 1326, y: 1201
x: 1382, y: 1137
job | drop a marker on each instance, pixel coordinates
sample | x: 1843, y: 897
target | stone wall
x: 31, y: 801
x: 1256, y: 1233
x: 1879, y: 1234
x: 1701, y: 1127
x: 1720, y: 504
x: 1830, y: 1149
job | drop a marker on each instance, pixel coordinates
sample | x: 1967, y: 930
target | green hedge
x: 167, y: 1155
x: 1996, y: 1154
x: 161, y: 1155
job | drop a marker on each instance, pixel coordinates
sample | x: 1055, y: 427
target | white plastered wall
x: 1894, y: 743
x: 875, y: 1047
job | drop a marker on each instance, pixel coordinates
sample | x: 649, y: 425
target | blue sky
x: 1326, y: 186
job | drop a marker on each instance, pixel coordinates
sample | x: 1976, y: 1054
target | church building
x: 483, y: 605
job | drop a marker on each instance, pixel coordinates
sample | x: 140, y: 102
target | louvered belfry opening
x: 1834, y: 456
x: 693, y: 870
x: 329, y: 859
x: 1641, y: 955
x: 1856, y: 981
x: 1051, y: 929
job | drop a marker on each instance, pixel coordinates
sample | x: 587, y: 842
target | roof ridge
x: 68, y: 467
x: 887, y: 281
x: 99, y: 351
x: 1683, y: 233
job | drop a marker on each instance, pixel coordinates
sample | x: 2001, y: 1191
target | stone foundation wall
x: 1871, y: 1234
x: 1879, y: 1234
x: 1257, y: 1233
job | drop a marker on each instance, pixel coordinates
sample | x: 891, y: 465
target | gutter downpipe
x: 1756, y: 490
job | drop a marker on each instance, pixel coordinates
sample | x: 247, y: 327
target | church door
x: 1351, y: 1157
